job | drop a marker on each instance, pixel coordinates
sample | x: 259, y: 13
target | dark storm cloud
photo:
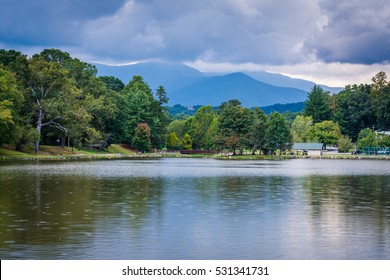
x: 45, y: 22
x: 220, y: 30
x: 246, y: 31
x: 357, y: 32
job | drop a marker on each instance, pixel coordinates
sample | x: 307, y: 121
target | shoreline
x: 109, y: 156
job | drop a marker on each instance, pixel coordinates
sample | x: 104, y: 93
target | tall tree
x: 143, y: 108
x: 277, y: 134
x: 200, y: 125
x: 300, y: 129
x: 317, y: 105
x: 381, y: 100
x: 354, y: 110
x: 235, y: 125
x: 11, y: 101
x: 48, y: 83
x: 257, y: 131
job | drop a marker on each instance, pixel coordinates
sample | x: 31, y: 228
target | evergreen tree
x: 173, y: 141
x: 317, y: 105
x: 186, y: 143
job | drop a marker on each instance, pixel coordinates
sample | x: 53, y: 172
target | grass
x: 124, y: 151
x: 120, y: 149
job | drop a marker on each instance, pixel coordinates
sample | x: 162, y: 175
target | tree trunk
x: 39, y: 128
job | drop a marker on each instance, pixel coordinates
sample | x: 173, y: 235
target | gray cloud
x: 221, y: 30
x: 49, y: 23
x: 246, y: 31
x: 357, y: 32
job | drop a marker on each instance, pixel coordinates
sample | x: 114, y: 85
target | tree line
x: 52, y: 98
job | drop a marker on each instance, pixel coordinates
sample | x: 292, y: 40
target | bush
x: 345, y: 144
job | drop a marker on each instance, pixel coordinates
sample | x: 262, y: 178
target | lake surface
x: 195, y: 209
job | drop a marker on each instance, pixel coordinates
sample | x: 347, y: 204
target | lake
x: 195, y: 209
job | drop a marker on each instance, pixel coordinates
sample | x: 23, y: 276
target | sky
x: 331, y: 42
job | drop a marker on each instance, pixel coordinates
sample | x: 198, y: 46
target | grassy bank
x: 66, y: 153
x: 123, y: 151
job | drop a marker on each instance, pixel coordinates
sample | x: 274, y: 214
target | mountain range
x: 188, y: 86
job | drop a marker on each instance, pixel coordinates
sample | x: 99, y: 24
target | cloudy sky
x: 334, y: 42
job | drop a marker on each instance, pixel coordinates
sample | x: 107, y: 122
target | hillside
x: 171, y: 75
x: 217, y: 89
x: 188, y: 86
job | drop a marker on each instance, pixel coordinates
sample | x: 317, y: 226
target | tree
x: 162, y: 96
x: 199, y: 126
x: 48, y: 83
x: 366, y: 138
x: 234, y: 125
x: 173, y: 141
x: 142, y: 107
x: 345, y: 144
x: 381, y: 100
x: 186, y: 143
x: 141, y: 140
x: 17, y: 63
x: 300, y: 129
x: 112, y: 83
x: 317, y: 105
x: 326, y: 132
x: 354, y: 110
x: 258, y: 130
x: 179, y: 127
x: 277, y: 134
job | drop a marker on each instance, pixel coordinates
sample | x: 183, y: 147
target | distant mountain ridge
x: 188, y: 86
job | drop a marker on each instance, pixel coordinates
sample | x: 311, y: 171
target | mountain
x: 285, y: 81
x: 188, y: 86
x: 170, y: 75
x: 250, y: 92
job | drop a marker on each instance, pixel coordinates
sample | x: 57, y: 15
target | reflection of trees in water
x: 52, y: 209
x: 362, y: 200
x: 240, y: 193
x: 134, y: 198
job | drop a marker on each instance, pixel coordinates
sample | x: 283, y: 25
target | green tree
x: 173, y: 141
x: 48, y: 83
x: 381, y: 100
x: 258, y: 131
x: 162, y: 96
x: 179, y: 127
x: 142, y: 107
x: 317, y: 105
x: 186, y: 143
x: 345, y: 144
x: 354, y: 110
x: 112, y: 83
x: 235, y: 125
x: 17, y: 63
x: 326, y: 132
x: 300, y: 129
x: 199, y: 126
x: 277, y: 134
x: 366, y: 138
x: 141, y: 139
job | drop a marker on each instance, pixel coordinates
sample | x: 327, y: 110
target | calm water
x: 195, y: 209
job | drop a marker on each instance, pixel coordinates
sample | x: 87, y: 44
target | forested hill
x: 178, y: 110
x: 188, y: 86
